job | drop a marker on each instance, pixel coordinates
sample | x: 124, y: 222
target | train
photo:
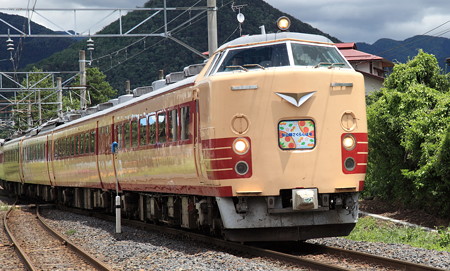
x: 264, y: 141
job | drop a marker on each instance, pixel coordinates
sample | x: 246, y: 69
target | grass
x: 4, y: 207
x: 70, y: 232
x: 370, y: 229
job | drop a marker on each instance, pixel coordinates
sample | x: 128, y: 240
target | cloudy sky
x: 348, y: 20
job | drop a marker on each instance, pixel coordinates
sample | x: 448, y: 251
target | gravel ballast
x: 141, y: 250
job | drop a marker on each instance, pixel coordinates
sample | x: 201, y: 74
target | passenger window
x: 173, y: 125
x: 126, y: 134
x: 162, y: 137
x: 143, y: 131
x: 119, y: 135
x: 185, y: 118
x: 92, y: 144
x: 134, y: 133
x: 152, y: 129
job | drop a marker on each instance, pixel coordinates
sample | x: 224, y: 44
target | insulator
x: 90, y: 44
x: 10, y: 44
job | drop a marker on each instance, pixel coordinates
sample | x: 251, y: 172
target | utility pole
x: 59, y: 97
x: 82, y: 79
x: 212, y: 27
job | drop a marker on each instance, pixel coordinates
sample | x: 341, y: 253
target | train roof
x: 274, y: 37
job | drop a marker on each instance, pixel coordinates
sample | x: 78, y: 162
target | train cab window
x: 152, y: 129
x: 317, y: 56
x: 126, y: 134
x: 134, y: 133
x: 184, y: 122
x: 173, y: 125
x: 162, y: 136
x: 260, y: 57
x: 143, y: 131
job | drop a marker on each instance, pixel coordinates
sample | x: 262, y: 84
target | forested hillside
x: 141, y: 62
x: 402, y: 51
x: 28, y: 50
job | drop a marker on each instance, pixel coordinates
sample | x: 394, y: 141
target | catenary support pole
x: 59, y: 97
x: 82, y: 79
x: 212, y: 27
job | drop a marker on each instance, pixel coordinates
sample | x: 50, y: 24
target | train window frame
x: 172, y: 123
x: 226, y: 56
x: 159, y: 130
x: 319, y: 64
x: 134, y: 130
x: 143, y: 133
x: 185, y: 126
x: 152, y: 138
x: 126, y: 134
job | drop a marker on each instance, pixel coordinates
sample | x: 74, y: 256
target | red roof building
x: 371, y: 66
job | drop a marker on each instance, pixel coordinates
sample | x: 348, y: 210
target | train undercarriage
x: 242, y: 219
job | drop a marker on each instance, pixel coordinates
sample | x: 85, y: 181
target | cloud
x: 353, y: 20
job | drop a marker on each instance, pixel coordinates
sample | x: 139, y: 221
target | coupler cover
x: 305, y: 199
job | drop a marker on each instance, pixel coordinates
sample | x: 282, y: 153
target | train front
x: 283, y: 124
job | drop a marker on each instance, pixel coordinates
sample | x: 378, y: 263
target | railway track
x: 8, y: 257
x: 41, y: 248
x: 304, y: 255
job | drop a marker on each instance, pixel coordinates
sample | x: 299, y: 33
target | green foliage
x: 30, y: 99
x: 369, y: 229
x: 409, y: 126
x: 99, y: 91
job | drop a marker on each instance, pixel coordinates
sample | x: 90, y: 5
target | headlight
x: 284, y: 23
x: 349, y: 142
x: 241, y: 146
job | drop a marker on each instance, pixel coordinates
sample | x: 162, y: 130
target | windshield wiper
x: 254, y: 65
x: 236, y: 67
x: 327, y: 64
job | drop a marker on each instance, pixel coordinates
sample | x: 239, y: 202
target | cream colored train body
x: 267, y: 142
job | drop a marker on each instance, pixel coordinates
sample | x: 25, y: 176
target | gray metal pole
x: 212, y: 27
x: 83, y: 79
x: 39, y: 108
x: 59, y: 97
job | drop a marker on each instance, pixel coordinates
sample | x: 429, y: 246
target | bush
x: 409, y: 136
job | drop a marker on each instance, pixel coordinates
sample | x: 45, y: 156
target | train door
x: 20, y: 160
x: 200, y: 133
x: 49, y: 150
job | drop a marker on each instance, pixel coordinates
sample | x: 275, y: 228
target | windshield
x: 316, y: 56
x: 256, y: 57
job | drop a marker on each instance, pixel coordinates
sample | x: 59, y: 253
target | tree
x: 27, y: 109
x: 409, y: 135
x: 99, y: 89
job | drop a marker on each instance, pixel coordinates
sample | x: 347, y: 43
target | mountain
x: 141, y: 61
x: 28, y: 50
x: 402, y: 51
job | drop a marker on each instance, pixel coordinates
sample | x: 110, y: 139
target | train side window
x: 152, y: 129
x: 119, y: 135
x: 92, y: 142
x: 126, y: 134
x: 71, y: 146
x: 143, y: 131
x: 134, y: 133
x: 82, y: 144
x: 173, y: 125
x: 87, y: 142
x: 184, y: 119
x: 162, y: 136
